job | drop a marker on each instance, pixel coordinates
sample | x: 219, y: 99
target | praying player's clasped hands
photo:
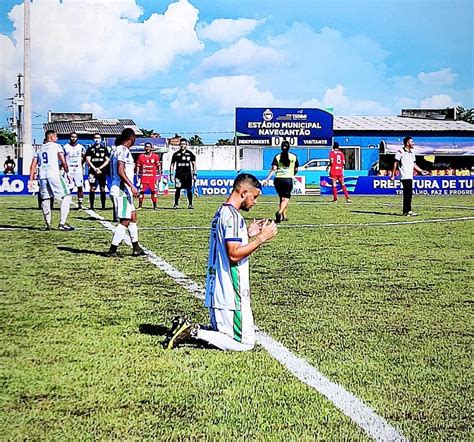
x: 265, y: 228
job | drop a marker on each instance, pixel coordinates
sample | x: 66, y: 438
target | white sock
x: 119, y: 234
x: 133, y: 230
x: 46, y: 207
x: 222, y: 341
x: 65, y: 205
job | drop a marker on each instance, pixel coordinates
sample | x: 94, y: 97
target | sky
x: 184, y: 66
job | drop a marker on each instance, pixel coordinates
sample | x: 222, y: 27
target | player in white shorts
x: 51, y: 183
x: 122, y: 190
x: 74, y: 153
x: 227, y: 284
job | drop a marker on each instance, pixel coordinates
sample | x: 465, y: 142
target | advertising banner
x: 423, y: 185
x: 208, y: 185
x: 270, y: 126
x: 18, y: 185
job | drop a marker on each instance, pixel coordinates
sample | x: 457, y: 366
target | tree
x: 147, y: 133
x: 465, y: 114
x: 7, y: 136
x: 195, y: 140
x: 225, y: 142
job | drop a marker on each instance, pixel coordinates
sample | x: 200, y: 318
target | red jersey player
x: 337, y: 162
x: 148, y: 169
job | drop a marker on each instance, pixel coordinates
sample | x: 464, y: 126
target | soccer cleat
x: 349, y: 201
x: 190, y: 206
x: 138, y: 252
x: 284, y: 218
x: 139, y: 208
x: 47, y: 227
x: 333, y: 201
x: 66, y: 228
x: 277, y: 217
x: 180, y: 333
x: 79, y: 206
x: 175, y: 206
x: 112, y: 254
x: 411, y: 213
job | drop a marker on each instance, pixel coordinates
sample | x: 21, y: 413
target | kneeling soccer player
x: 227, y: 285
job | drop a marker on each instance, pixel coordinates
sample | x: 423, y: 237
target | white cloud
x: 439, y: 101
x: 443, y: 77
x: 224, y: 94
x: 242, y: 56
x: 224, y: 30
x: 102, y: 42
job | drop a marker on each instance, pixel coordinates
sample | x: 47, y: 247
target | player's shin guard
x: 346, y: 193
x: 177, y: 194
x: 46, y: 208
x: 103, y: 198
x: 119, y: 234
x: 133, y: 230
x: 334, y: 192
x: 65, y: 206
x: 154, y: 199
x: 190, y: 196
x: 141, y: 197
x: 91, y: 199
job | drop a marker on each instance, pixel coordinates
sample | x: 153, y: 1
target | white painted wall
x: 208, y: 157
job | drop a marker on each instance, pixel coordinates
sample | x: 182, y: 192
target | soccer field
x: 378, y: 303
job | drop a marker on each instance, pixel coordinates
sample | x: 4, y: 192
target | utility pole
x: 26, y: 138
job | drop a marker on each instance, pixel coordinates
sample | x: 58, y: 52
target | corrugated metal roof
x: 403, y: 124
x: 109, y: 127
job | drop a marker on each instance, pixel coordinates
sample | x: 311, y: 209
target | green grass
x: 385, y: 311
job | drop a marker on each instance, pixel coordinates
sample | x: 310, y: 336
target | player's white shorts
x: 76, y: 177
x: 123, y: 203
x: 53, y: 188
x: 238, y: 324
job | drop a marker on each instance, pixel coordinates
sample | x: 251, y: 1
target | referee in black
x: 185, y: 163
x: 97, y: 158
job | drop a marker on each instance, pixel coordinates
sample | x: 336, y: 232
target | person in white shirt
x: 227, y: 284
x: 51, y: 183
x: 74, y: 153
x: 123, y: 191
x: 405, y: 160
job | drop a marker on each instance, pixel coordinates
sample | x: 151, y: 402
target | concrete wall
x: 208, y: 157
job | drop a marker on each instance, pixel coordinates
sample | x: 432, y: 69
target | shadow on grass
x: 371, y: 212
x: 11, y: 227
x: 29, y: 208
x: 153, y: 329
x: 82, y: 251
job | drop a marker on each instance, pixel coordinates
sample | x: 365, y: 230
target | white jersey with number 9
x: 48, y: 163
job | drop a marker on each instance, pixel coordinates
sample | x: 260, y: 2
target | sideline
x: 373, y: 424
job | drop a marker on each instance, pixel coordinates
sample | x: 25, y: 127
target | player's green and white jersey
x: 121, y: 153
x: 227, y: 284
x: 74, y: 155
x: 48, y: 162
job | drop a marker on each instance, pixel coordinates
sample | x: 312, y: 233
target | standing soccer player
x: 148, y: 168
x: 74, y: 153
x: 185, y: 162
x: 123, y: 191
x: 405, y: 160
x: 51, y: 183
x: 97, y: 158
x: 337, y: 161
x: 228, y: 282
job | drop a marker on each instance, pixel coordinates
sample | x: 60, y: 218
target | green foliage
x: 384, y: 310
x: 195, y: 140
x: 7, y: 137
x: 147, y: 133
x: 225, y: 142
x: 465, y: 114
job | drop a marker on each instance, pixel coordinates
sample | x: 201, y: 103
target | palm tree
x: 196, y: 140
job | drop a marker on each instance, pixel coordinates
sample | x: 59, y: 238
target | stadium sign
x: 262, y: 127
x: 432, y: 185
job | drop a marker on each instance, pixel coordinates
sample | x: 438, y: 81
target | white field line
x: 373, y: 424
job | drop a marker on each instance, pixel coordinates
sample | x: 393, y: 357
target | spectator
x: 9, y: 166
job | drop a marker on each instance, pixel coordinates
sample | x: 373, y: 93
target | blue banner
x: 271, y: 126
x: 422, y: 185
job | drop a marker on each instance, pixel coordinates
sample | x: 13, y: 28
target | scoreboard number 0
x: 276, y: 141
